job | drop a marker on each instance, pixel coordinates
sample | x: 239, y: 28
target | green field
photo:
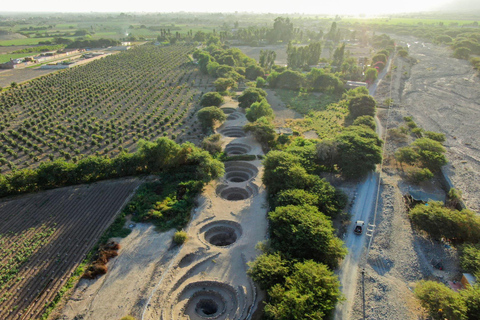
x: 409, y: 21
x: 6, y: 57
x: 23, y: 42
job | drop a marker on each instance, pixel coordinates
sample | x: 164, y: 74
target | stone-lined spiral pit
x: 222, y: 233
x: 228, y: 110
x: 233, y: 132
x: 237, y: 148
x: 237, y: 171
x: 207, y: 308
x: 233, y: 116
x: 235, y: 193
x: 209, y: 300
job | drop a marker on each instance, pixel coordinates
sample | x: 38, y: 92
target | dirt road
x: 361, y: 210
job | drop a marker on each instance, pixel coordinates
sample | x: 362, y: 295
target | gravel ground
x: 441, y: 94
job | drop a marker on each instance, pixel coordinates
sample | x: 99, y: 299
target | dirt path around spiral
x: 154, y: 279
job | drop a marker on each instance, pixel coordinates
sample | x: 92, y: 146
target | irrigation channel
x: 207, y: 279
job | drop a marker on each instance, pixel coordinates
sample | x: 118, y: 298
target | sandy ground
x: 143, y: 254
x: 153, y: 279
x: 439, y: 92
x: 442, y: 94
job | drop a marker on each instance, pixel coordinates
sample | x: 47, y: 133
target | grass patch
x: 306, y: 102
x: 327, y: 123
x: 23, y: 42
x: 167, y: 203
x: 6, y: 57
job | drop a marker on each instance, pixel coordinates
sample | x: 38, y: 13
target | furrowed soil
x: 441, y: 94
x: 45, y: 236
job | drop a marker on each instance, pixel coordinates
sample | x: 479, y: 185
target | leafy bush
x: 440, y: 301
x: 259, y: 109
x: 250, y: 96
x: 441, y: 222
x: 180, y: 237
x: 209, y: 115
x: 417, y: 175
x: 302, y: 232
x: 470, y: 258
x: 362, y: 105
x: 211, y: 99
x: 263, y: 130
x: 440, y: 137
x: 310, y: 292
x: 213, y: 144
x: 268, y: 270
x: 368, y: 121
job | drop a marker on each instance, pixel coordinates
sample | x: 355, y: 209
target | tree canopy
x: 259, y: 109
x: 211, y: 99
x: 251, y: 95
x: 303, y: 232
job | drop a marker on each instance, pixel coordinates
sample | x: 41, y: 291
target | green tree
x: 209, y: 115
x: 406, y: 155
x: 268, y: 270
x: 253, y: 71
x: 283, y: 170
x: 251, y: 95
x: 259, y: 109
x: 470, y: 258
x: 371, y: 74
x: 431, y: 153
x: 368, y: 121
x: 223, y: 84
x: 303, y: 232
x: 441, y: 222
x: 359, y: 151
x: 362, y: 105
x: 292, y: 80
x: 296, y: 197
x: 440, y: 301
x: 263, y: 130
x: 471, y: 296
x: 310, y: 292
x: 211, y: 99
x: 260, y: 83
x: 338, y: 55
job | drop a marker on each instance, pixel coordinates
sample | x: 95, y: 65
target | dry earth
x: 441, y: 93
x: 153, y: 279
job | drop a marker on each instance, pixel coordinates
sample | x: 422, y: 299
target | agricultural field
x: 45, y: 236
x: 102, y: 108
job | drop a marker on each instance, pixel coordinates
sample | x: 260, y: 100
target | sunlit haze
x: 367, y: 7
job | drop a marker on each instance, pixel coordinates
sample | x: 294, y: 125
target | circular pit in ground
x: 222, y: 233
x: 237, y: 171
x: 235, y: 193
x: 233, y: 132
x: 237, y: 148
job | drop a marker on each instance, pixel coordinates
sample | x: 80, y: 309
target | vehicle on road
x: 358, y: 227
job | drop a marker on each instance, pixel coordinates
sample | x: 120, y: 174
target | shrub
x: 268, y: 270
x: 260, y: 82
x: 470, y: 258
x: 180, y: 237
x: 209, y: 115
x: 440, y: 301
x: 440, y: 137
x: 362, y: 105
x: 417, y: 175
x: 368, y: 121
x: 250, y: 96
x: 128, y: 318
x: 302, y: 232
x: 212, y: 144
x: 211, y: 99
x: 259, y: 109
x: 441, y: 222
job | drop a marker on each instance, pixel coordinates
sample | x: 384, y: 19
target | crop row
x: 102, y: 107
x: 66, y: 222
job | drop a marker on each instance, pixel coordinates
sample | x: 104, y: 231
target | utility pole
x: 363, y: 292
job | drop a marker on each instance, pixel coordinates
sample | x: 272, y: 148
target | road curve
x: 362, y: 209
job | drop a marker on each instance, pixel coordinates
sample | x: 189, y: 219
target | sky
x: 368, y: 7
